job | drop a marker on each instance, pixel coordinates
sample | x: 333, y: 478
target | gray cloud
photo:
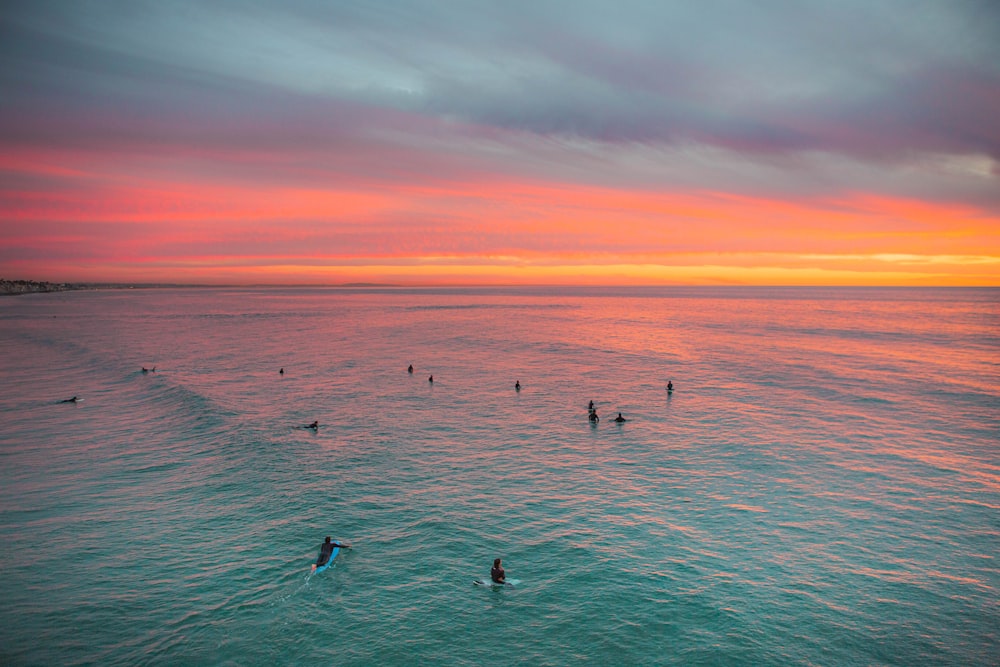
x: 441, y: 85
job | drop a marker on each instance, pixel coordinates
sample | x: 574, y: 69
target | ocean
x: 821, y: 487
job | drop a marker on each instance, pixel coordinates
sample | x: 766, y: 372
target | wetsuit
x: 497, y: 575
x: 324, y: 553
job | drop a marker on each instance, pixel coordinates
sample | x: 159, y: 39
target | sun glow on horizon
x: 505, y: 232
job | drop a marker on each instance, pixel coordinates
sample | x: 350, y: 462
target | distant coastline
x: 14, y: 287
x: 11, y: 287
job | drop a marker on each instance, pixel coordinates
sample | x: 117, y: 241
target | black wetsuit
x: 324, y: 553
x: 497, y: 575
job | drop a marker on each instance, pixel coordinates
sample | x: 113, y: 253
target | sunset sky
x: 854, y: 142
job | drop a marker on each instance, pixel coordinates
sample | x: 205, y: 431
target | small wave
x: 747, y: 508
x: 492, y: 306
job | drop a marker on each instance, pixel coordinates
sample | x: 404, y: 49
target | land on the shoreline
x: 12, y: 287
x: 8, y: 287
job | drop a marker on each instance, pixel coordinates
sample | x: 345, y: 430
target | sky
x: 768, y: 142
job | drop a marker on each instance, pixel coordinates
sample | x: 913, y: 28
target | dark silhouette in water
x: 517, y: 386
x: 591, y: 406
x: 431, y: 379
x: 620, y: 419
x: 69, y: 400
x: 670, y: 385
x: 410, y: 369
x: 314, y: 426
x: 282, y: 371
x: 593, y: 416
x: 497, y: 574
x: 326, y: 551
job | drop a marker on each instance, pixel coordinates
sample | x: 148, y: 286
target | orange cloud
x: 123, y: 226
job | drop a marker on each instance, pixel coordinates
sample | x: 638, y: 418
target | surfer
x: 431, y: 379
x: 497, y: 574
x: 620, y: 419
x: 670, y: 385
x: 68, y: 400
x: 410, y: 369
x: 593, y: 416
x: 314, y: 426
x: 145, y: 370
x: 591, y: 406
x: 517, y: 386
x: 281, y: 371
x: 325, y: 551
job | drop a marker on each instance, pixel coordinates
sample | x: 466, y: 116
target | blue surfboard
x: 510, y: 583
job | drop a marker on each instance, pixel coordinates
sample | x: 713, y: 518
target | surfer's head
x: 327, y: 539
x: 496, y: 562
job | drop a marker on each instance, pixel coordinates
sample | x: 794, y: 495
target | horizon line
x: 97, y: 284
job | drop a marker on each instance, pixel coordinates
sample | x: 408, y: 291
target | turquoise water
x: 822, y: 487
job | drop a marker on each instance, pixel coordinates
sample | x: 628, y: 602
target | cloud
x: 857, y: 78
x: 471, y: 128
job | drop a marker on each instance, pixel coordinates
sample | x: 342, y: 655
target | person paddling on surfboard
x: 325, y: 551
x: 497, y: 574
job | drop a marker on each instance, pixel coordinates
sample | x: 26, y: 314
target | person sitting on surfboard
x: 325, y: 551
x: 497, y: 574
x: 670, y: 385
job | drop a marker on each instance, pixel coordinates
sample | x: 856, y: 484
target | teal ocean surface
x: 821, y: 488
